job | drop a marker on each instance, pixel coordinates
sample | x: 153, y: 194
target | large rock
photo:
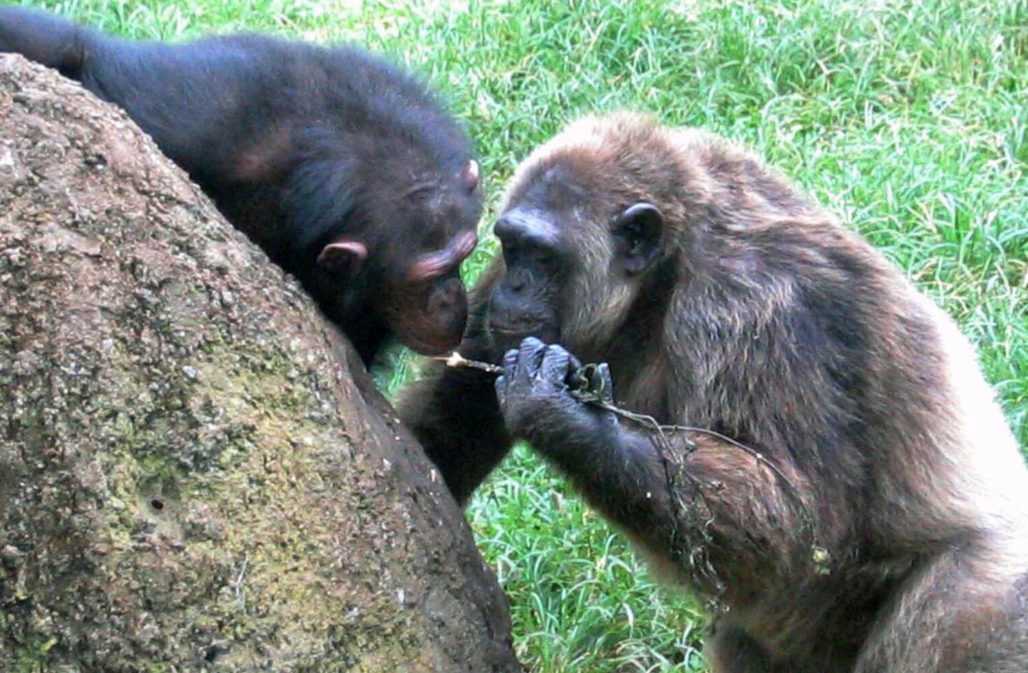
x: 196, y: 473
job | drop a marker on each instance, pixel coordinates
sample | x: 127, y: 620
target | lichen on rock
x: 196, y: 472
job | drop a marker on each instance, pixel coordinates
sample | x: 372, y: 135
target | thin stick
x: 457, y: 360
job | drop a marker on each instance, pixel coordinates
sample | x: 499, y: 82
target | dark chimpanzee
x: 865, y: 508
x: 342, y: 167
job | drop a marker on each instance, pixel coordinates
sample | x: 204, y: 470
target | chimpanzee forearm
x: 43, y: 38
x: 630, y: 474
x: 191, y: 98
x: 657, y: 487
x: 453, y: 413
x: 619, y: 470
x: 675, y: 492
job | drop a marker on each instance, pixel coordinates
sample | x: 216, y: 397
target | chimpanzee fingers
x: 510, y: 363
x: 501, y: 389
x: 575, y: 362
x: 556, y: 365
x: 530, y: 358
x: 573, y: 379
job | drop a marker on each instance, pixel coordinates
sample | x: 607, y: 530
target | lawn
x: 909, y: 119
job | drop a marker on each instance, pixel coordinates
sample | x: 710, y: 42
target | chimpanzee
x: 342, y: 167
x: 841, y: 486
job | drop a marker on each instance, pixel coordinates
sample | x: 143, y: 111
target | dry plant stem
x: 455, y: 359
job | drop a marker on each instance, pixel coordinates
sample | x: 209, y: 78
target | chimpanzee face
x: 412, y: 254
x: 427, y: 307
x: 571, y: 262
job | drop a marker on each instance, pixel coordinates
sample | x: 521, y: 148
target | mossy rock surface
x: 196, y: 473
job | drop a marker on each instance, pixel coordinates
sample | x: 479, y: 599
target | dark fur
x: 298, y: 145
x: 762, y: 318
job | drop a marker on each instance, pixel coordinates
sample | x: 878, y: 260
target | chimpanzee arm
x: 199, y: 101
x: 453, y: 411
x: 43, y: 38
x: 619, y: 468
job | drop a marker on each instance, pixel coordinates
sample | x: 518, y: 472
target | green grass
x: 908, y: 119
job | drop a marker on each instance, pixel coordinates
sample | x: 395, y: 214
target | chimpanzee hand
x: 537, y: 399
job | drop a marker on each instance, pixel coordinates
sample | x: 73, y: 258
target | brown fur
x: 893, y: 536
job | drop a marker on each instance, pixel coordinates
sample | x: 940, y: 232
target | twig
x: 819, y: 553
x: 455, y: 359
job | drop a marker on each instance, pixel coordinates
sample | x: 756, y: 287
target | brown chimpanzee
x: 864, y: 508
x: 344, y: 168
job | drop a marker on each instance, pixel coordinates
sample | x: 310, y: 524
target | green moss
x: 34, y: 656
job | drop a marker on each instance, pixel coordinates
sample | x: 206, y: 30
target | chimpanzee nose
x: 506, y: 229
x: 524, y: 227
x: 518, y: 227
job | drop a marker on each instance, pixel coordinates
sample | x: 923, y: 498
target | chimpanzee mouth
x: 436, y: 345
x: 507, y: 335
x: 431, y: 347
x: 506, y: 329
x: 519, y: 329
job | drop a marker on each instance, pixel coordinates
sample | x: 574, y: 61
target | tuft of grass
x: 908, y: 119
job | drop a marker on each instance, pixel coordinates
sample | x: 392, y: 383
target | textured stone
x: 196, y: 472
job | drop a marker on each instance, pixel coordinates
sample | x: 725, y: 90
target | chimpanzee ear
x: 343, y: 256
x: 637, y: 233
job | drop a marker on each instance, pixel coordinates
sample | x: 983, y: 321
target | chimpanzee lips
x: 430, y: 346
x: 431, y: 337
